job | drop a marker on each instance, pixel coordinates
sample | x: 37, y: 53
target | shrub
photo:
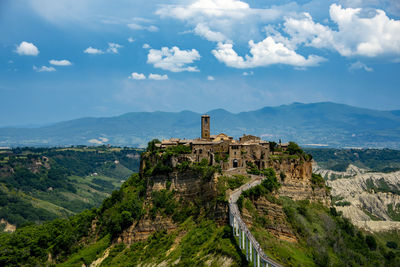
x: 282, y: 175
x: 151, y: 146
x: 391, y: 244
x: 294, y: 149
x: 317, y: 180
x: 371, y: 242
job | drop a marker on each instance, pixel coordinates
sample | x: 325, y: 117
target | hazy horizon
x: 62, y: 60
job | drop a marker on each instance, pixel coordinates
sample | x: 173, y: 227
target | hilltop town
x: 226, y: 151
x: 247, y: 155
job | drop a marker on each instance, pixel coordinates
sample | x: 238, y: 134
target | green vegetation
x: 379, y: 160
x: 324, y: 238
x: 72, y: 239
x: 268, y: 185
x: 342, y: 203
x: 193, y: 243
x: 394, y: 212
x: 381, y: 186
x: 373, y: 217
x: 40, y: 184
x: 31, y: 245
x: 317, y: 181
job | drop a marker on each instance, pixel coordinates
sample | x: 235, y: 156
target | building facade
x: 225, y: 150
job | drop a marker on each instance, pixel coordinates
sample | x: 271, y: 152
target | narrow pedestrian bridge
x: 246, y: 240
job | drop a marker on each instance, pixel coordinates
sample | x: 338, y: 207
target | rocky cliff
x: 275, y: 223
x: 370, y: 199
x: 189, y: 188
x: 197, y: 186
x: 295, y: 176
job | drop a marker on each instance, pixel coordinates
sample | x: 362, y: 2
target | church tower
x: 205, y: 127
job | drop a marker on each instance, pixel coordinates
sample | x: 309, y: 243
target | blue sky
x: 64, y: 59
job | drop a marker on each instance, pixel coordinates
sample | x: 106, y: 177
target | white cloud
x: 63, y: 62
x: 358, y: 66
x: 27, y: 49
x: 131, y: 40
x: 264, y: 53
x: 146, y: 46
x: 248, y: 73
x: 220, y: 20
x: 137, y: 76
x: 135, y: 26
x: 357, y: 35
x: 44, y: 69
x: 95, y: 141
x: 173, y: 59
x: 203, y: 31
x: 113, y: 48
x: 158, y: 77
x: 91, y: 50
x: 210, y: 78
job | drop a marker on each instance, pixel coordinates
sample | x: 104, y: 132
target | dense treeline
x: 380, y: 160
x: 59, y: 181
x: 31, y: 245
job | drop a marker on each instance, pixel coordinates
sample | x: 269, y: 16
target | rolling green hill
x: 40, y: 184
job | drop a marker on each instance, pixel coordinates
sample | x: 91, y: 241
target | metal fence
x: 247, y: 242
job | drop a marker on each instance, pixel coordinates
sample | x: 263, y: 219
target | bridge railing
x: 247, y: 241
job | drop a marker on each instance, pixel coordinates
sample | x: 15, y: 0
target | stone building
x: 224, y: 150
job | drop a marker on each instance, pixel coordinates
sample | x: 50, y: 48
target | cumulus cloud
x: 113, y: 48
x: 264, y: 53
x: 27, y: 49
x: 357, y: 35
x: 173, y: 59
x: 137, y: 76
x: 44, y: 69
x: 210, y: 78
x: 94, y: 51
x: 215, y: 19
x: 131, y: 40
x: 359, y: 66
x: 63, y: 62
x: 146, y: 46
x: 158, y: 77
x: 136, y: 26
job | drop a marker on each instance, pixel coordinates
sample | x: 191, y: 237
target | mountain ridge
x: 328, y: 123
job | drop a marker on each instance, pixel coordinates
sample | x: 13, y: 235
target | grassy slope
x: 28, y: 203
x: 324, y: 239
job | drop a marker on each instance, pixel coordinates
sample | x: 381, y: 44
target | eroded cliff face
x: 188, y: 187
x: 371, y: 200
x: 295, y: 178
x: 276, y: 222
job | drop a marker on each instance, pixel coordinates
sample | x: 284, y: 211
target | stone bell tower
x: 205, y: 127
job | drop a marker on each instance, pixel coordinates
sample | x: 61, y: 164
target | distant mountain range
x: 317, y: 124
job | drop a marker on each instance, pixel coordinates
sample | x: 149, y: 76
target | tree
x: 151, y: 146
x: 294, y: 149
x: 371, y: 242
